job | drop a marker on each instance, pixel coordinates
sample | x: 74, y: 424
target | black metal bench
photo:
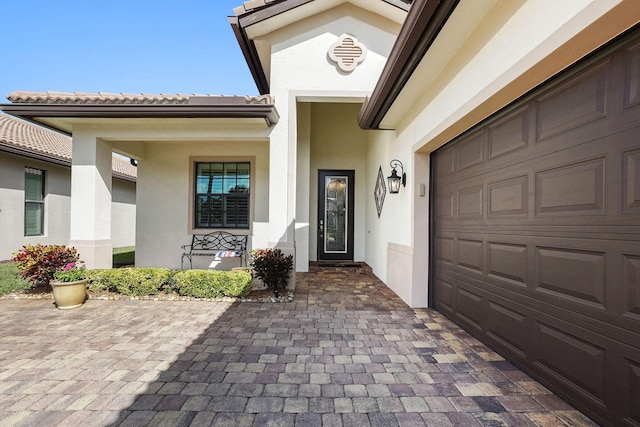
x: 219, y: 244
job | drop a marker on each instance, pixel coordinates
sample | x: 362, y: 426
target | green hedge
x: 130, y: 281
x: 212, y: 283
x: 150, y: 281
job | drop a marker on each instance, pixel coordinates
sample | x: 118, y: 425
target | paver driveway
x: 346, y: 352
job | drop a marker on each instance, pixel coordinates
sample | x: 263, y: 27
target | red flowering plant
x: 272, y: 267
x: 72, y: 272
x: 38, y: 263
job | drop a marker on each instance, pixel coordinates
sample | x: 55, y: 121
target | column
x: 91, y: 199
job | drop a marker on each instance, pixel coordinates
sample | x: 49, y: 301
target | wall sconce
x: 394, y: 179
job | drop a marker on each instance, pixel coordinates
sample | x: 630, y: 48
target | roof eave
x: 423, y: 24
x: 124, y: 177
x: 23, y: 152
x: 29, y: 111
x: 250, y: 53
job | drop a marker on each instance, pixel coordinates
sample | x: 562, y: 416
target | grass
x: 125, y: 255
x: 9, y: 279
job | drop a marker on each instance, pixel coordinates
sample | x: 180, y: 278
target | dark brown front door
x: 335, y: 215
x: 537, y: 234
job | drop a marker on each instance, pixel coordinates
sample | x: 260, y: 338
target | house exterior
x: 35, y: 189
x: 515, y: 125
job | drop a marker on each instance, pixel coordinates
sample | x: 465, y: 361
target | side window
x: 33, y: 202
x: 222, y: 195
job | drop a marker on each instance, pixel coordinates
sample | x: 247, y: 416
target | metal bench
x: 219, y: 244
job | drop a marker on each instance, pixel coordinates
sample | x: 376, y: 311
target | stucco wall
x: 302, y: 72
x: 57, y: 190
x: 123, y: 213
x: 338, y: 143
x: 164, y: 181
x: 57, y: 206
x: 488, y: 55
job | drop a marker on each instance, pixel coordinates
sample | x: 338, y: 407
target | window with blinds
x: 33, y: 202
x: 222, y: 191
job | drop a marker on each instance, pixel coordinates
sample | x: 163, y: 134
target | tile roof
x: 21, y: 137
x: 253, y: 5
x: 51, y: 97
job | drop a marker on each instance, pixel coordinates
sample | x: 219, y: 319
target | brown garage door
x: 537, y: 233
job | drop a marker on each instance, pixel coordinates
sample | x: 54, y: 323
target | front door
x: 335, y: 215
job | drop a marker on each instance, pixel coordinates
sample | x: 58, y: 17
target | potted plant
x: 38, y: 263
x: 272, y: 267
x: 70, y: 285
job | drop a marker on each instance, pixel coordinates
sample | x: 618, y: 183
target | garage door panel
x: 508, y: 197
x: 445, y: 163
x: 631, y: 369
x: 574, y: 104
x: 446, y: 206
x: 507, y: 261
x: 445, y: 249
x: 578, y: 359
x: 470, y: 152
x: 510, y: 133
x: 631, y: 287
x: 571, y: 275
x: 470, y: 255
x: 444, y: 298
x: 631, y: 182
x: 574, y: 189
x: 505, y: 325
x: 468, y: 307
x: 470, y: 204
x: 632, y: 76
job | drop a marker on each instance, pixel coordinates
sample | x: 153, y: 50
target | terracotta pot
x: 69, y: 294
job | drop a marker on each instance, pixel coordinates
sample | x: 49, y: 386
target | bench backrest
x: 218, y: 240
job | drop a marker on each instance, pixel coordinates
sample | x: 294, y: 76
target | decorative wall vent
x: 347, y: 53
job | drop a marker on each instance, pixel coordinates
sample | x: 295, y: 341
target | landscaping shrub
x: 272, y: 267
x: 212, y: 283
x: 38, y: 263
x: 130, y: 281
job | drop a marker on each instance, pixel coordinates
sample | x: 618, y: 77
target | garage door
x: 537, y: 234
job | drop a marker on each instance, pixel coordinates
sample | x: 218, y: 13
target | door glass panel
x: 335, y: 215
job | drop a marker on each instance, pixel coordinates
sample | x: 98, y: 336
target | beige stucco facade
x: 57, y: 206
x: 488, y: 54
x: 318, y: 104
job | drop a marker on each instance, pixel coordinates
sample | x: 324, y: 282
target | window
x: 33, y: 202
x: 222, y: 192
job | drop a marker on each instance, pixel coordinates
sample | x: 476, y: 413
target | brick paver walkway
x: 347, y: 352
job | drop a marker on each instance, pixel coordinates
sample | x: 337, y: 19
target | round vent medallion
x: 347, y: 53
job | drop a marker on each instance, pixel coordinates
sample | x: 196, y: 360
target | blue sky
x: 134, y: 46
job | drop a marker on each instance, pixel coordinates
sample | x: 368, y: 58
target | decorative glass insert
x: 380, y: 192
x: 336, y: 214
x: 33, y: 202
x: 222, y: 195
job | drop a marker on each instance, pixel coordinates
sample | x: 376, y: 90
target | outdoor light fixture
x: 394, y: 179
